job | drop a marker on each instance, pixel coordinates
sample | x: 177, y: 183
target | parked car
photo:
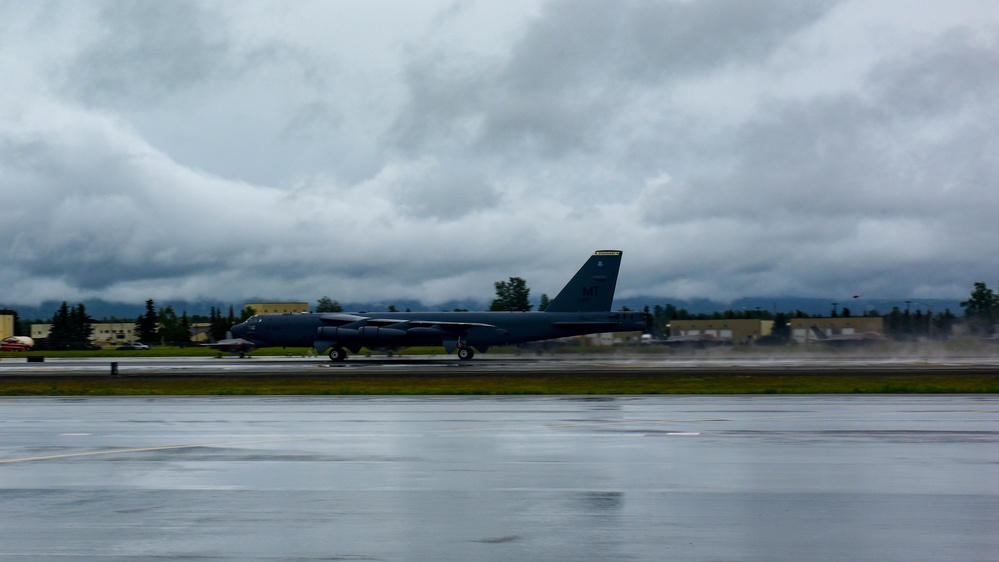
x: 9, y: 345
x: 133, y: 345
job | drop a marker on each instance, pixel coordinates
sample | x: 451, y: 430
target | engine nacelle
x: 365, y: 334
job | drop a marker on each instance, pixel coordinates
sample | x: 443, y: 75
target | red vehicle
x: 17, y: 344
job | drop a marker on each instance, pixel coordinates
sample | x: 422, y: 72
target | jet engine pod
x: 335, y: 333
x: 382, y: 334
x: 366, y: 334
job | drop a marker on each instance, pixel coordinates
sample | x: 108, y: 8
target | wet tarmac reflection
x: 547, y: 478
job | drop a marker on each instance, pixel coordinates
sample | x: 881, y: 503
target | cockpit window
x: 255, y: 319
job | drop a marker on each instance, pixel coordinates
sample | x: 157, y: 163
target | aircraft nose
x: 239, y: 330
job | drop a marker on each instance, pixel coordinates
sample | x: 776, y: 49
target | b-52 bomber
x: 582, y: 307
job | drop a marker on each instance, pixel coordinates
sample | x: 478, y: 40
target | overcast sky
x: 372, y: 151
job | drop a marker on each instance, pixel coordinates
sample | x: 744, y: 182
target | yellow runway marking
x: 145, y: 449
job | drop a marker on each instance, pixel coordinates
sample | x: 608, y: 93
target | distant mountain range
x: 812, y: 306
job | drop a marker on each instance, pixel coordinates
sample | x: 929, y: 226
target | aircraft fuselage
x: 582, y: 307
x: 431, y: 328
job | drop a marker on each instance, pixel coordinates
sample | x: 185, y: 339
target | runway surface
x: 556, y: 478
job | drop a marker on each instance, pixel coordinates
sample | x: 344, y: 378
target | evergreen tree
x: 780, y: 329
x: 246, y: 314
x: 981, y: 310
x: 662, y: 316
x: 920, y: 326
x: 545, y: 301
x: 218, y: 326
x: 174, y: 330
x: 82, y: 325
x: 512, y: 295
x: 185, y: 330
x: 71, y: 328
x: 326, y: 304
x: 18, y: 328
x: 167, y: 325
x: 60, y: 335
x: 893, y: 322
x: 943, y: 325
x: 146, y: 325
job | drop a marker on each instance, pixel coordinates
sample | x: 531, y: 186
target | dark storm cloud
x: 566, y: 79
x: 904, y: 145
x: 375, y: 151
x: 885, y: 181
x: 147, y: 51
x: 893, y: 181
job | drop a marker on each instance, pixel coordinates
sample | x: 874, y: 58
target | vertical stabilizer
x: 592, y: 288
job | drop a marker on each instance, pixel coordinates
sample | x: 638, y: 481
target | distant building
x: 104, y: 334
x: 801, y: 328
x: 610, y: 338
x: 7, y: 327
x: 40, y: 331
x: 278, y: 307
x: 201, y: 332
x: 732, y: 330
x: 112, y: 334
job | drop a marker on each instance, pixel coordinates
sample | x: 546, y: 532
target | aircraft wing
x: 339, y: 318
x: 448, y: 325
x: 356, y: 321
x: 391, y: 331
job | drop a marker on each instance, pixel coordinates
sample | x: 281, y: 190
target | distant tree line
x: 72, y: 327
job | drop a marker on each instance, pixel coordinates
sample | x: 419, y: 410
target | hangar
x: 731, y: 330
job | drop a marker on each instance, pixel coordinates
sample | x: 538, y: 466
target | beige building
x: 105, y: 334
x: 201, y: 332
x: 6, y: 323
x: 736, y: 331
x: 610, y: 338
x: 801, y: 328
x: 278, y: 307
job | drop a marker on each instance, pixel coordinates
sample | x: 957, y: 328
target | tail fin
x: 592, y: 288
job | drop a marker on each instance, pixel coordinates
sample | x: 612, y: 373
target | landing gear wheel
x: 465, y: 353
x: 337, y: 354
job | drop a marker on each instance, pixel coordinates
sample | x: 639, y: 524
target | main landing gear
x: 337, y: 354
x: 465, y: 352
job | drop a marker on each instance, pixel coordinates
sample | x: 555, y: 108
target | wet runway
x: 548, y: 478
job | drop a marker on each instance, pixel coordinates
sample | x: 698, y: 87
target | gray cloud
x: 567, y: 77
x: 192, y: 150
x: 145, y: 52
